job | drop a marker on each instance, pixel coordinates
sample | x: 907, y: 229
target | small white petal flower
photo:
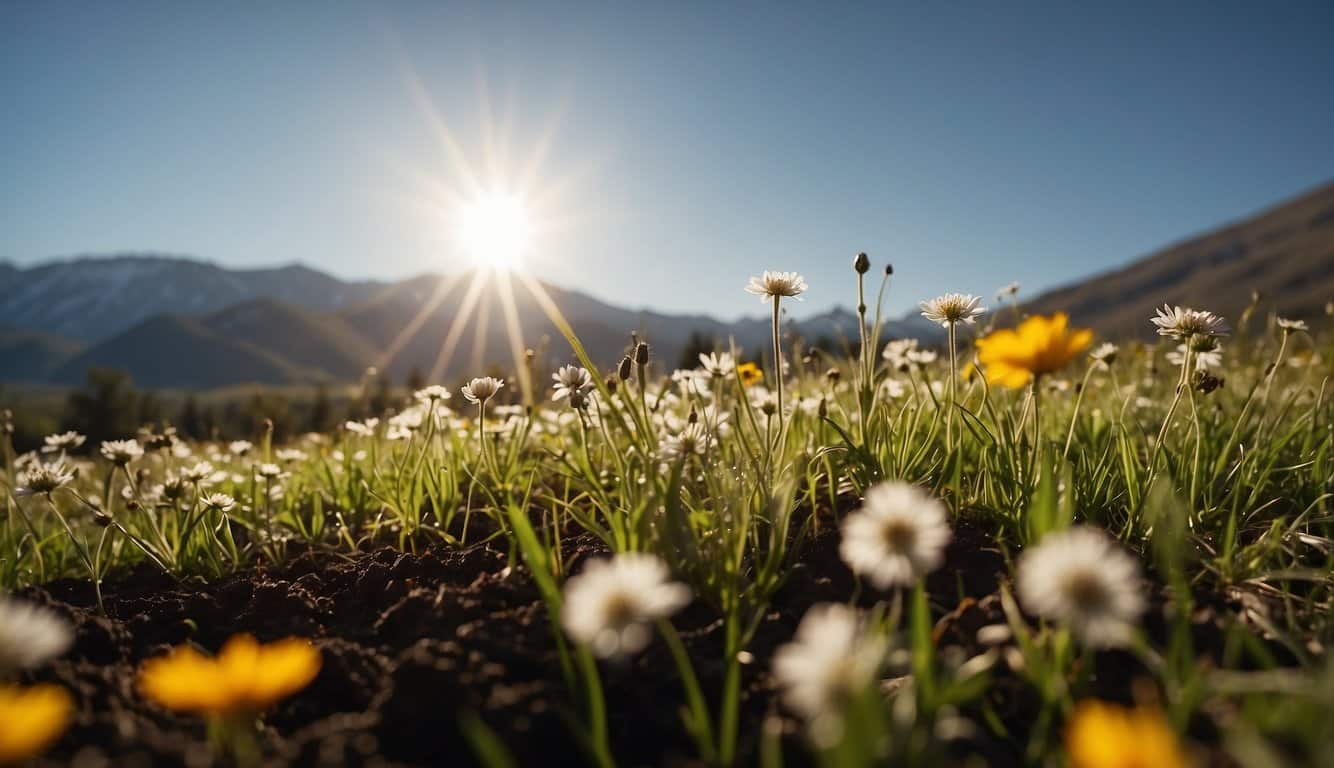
x: 772, y: 285
x: 896, y: 537
x: 44, y: 478
x: 65, y: 441
x: 435, y: 392
x: 198, y: 473
x: 239, y: 447
x: 1081, y: 578
x: 29, y: 635
x: 952, y: 308
x: 694, y: 439
x: 121, y: 452
x: 481, y: 389
x: 569, y: 380
x: 1289, y: 326
x: 718, y: 365
x: 1104, y: 354
x: 611, y: 604
x: 831, y: 660
x: 269, y: 471
x: 1183, y: 324
x: 219, y: 502
x: 1207, y: 356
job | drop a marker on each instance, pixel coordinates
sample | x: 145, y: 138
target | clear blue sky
x: 687, y: 145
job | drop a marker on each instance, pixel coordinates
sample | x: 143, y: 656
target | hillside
x: 1285, y: 252
x: 91, y: 299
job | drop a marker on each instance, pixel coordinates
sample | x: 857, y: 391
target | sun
x: 495, y: 231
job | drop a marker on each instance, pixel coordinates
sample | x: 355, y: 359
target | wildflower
x: 433, y: 393
x: 750, y: 374
x: 861, y: 264
x: 239, y: 447
x: 1288, y: 326
x: 29, y: 635
x: 481, y: 389
x: 1080, y: 578
x: 829, y: 663
x: 219, y: 502
x: 896, y: 537
x: 571, y: 379
x: 1039, y: 345
x: 121, y: 452
x: 1104, y: 355
x: 611, y: 603
x: 899, y: 353
x: 290, y: 455
x: 953, y: 308
x: 244, y: 678
x: 719, y: 365
x: 65, y: 441
x: 200, y: 472
x: 364, y: 428
x: 773, y: 285
x: 31, y: 719
x: 1182, y: 324
x: 1105, y: 735
x: 1009, y: 290
x: 694, y: 439
x: 1208, y: 353
x: 269, y: 471
x: 44, y: 478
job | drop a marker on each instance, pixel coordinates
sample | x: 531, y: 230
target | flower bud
x: 624, y: 371
x: 862, y: 263
x: 641, y: 353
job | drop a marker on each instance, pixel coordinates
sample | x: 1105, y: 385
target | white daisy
x: 1104, y: 355
x: 239, y: 447
x: 364, y: 428
x: 694, y: 439
x: 44, y: 478
x: 219, y: 502
x: 570, y: 379
x: 433, y: 393
x: 611, y: 604
x: 65, y: 441
x: 269, y: 471
x: 719, y: 365
x: 29, y: 635
x: 1288, y: 326
x: 896, y: 537
x: 481, y: 389
x: 198, y: 473
x: 772, y: 285
x: 830, y: 661
x: 1207, y: 356
x: 1183, y: 324
x: 121, y: 452
x: 1081, y: 578
x: 953, y: 308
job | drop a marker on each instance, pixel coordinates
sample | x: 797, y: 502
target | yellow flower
x: 31, y: 719
x: 244, y: 677
x: 1039, y: 345
x: 750, y: 373
x: 1104, y: 735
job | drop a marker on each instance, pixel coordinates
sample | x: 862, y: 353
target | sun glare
x: 495, y: 231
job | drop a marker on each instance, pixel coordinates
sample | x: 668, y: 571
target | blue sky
x: 684, y: 146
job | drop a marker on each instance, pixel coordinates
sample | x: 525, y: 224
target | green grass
x: 1231, y: 509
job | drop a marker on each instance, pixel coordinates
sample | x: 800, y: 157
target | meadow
x: 1023, y: 546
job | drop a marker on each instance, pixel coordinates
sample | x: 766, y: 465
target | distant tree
x: 190, y: 422
x: 698, y: 344
x: 106, y: 408
x: 270, y: 406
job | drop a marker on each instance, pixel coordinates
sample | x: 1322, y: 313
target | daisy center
x: 899, y: 535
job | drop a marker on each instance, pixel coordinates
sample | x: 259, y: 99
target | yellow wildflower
x: 1105, y: 735
x: 31, y: 719
x: 750, y: 373
x: 1039, y: 345
x: 244, y: 677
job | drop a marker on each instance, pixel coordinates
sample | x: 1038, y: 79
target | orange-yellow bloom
x: 1012, y: 357
x: 244, y: 677
x: 1105, y: 735
x: 31, y: 719
x: 750, y: 373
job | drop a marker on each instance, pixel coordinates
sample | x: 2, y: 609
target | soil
x: 411, y: 641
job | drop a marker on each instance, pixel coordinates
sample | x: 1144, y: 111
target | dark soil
x: 411, y: 641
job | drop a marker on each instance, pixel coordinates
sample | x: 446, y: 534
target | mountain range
x: 174, y: 322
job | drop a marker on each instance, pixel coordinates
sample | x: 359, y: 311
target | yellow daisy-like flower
x: 750, y: 373
x: 244, y: 677
x: 1012, y: 357
x: 1105, y: 735
x: 31, y: 719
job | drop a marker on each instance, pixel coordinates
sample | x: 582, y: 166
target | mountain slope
x: 178, y: 352
x: 1285, y: 252
x: 95, y: 298
x: 33, y: 355
x: 320, y: 342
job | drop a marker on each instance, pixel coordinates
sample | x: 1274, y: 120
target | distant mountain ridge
x: 1286, y: 252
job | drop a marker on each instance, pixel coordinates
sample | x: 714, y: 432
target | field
x: 1025, y: 546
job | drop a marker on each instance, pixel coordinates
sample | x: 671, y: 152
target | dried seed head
x: 889, y: 270
x: 624, y: 371
x: 641, y: 353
